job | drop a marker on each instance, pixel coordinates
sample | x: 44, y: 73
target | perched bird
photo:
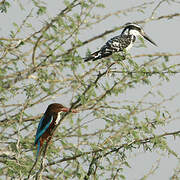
x: 47, y: 123
x: 120, y: 43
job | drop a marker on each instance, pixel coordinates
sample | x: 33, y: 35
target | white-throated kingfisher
x: 47, y: 123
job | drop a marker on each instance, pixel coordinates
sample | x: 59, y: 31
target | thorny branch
x: 24, y: 74
x: 44, y: 29
x: 114, y: 149
x: 145, y: 140
x: 169, y: 16
x: 126, y: 145
x: 73, y: 106
x: 16, y: 77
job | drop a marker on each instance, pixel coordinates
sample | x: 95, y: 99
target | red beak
x: 64, y: 109
x: 74, y: 111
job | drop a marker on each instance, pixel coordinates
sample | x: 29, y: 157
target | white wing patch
x: 58, y: 118
x: 115, y: 43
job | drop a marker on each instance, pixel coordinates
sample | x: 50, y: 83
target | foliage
x: 42, y: 63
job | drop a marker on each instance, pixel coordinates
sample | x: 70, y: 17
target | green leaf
x: 41, y: 10
x: 3, y: 6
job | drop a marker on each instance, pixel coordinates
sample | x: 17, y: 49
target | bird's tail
x: 93, y: 57
x: 98, y: 55
x: 38, y: 149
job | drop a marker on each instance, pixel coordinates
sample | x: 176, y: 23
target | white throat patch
x: 58, y: 117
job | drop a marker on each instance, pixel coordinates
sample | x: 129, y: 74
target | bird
x: 48, y: 122
x: 120, y: 43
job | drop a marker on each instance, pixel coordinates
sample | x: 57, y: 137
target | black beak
x: 148, y: 38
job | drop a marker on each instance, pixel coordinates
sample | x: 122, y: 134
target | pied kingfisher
x: 120, y: 43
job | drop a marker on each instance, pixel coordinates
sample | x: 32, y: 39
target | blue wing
x: 38, y: 149
x: 43, y: 126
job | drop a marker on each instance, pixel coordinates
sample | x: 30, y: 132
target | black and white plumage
x: 120, y: 43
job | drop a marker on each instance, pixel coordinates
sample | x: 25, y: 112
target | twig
x: 116, y: 29
x: 112, y: 150
x: 146, y: 72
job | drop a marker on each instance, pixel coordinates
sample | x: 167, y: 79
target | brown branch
x: 147, y: 72
x: 2, y: 2
x: 116, y: 29
x: 157, y: 6
x: 112, y: 150
x: 74, y: 105
x: 124, y: 11
x: 156, y: 54
x: 126, y: 145
x: 44, y: 29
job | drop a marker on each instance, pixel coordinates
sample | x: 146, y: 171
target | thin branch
x: 157, y: 6
x: 126, y: 145
x: 112, y: 150
x: 146, y: 72
x: 169, y: 16
x: 163, y: 54
x: 123, y: 11
x: 44, y: 29
x: 74, y: 105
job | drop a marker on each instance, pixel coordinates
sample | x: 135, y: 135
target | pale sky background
x: 165, y: 33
